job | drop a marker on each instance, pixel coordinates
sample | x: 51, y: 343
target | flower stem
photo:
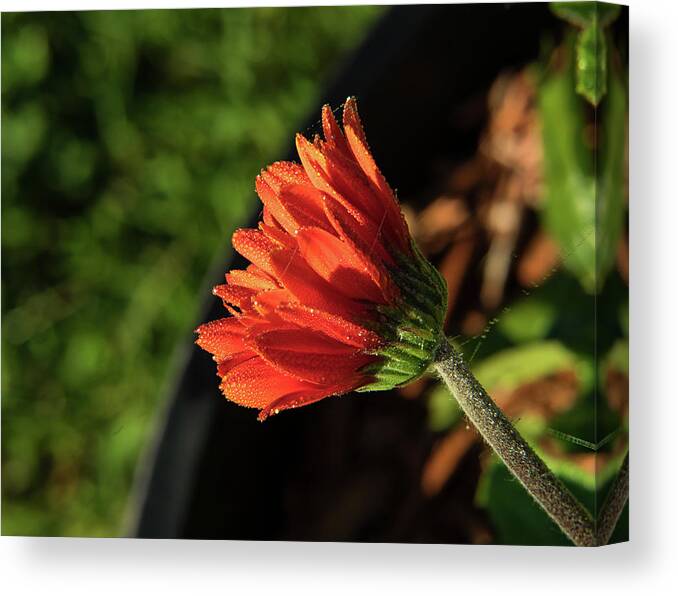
x: 560, y: 504
x: 614, y: 504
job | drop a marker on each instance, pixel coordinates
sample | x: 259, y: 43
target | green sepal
x: 412, y: 327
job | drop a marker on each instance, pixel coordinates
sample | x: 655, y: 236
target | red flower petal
x: 335, y: 177
x: 266, y: 303
x: 255, y: 247
x: 309, y: 355
x: 332, y: 132
x: 352, y: 122
x: 255, y: 384
x: 282, y: 173
x: 223, y: 337
x: 362, y: 233
x: 234, y: 295
x: 349, y: 272
x: 293, y: 205
x: 306, y: 397
x: 226, y: 365
x: 271, y: 201
x: 277, y: 235
x: 307, y: 287
x: 355, y: 135
x: 253, y: 278
x: 305, y: 204
x: 332, y: 325
x: 268, y: 219
x: 357, y: 141
x: 373, y: 253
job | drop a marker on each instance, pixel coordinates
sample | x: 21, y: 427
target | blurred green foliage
x: 130, y: 143
x: 576, y: 318
x: 584, y: 172
x: 512, y: 368
x: 517, y: 517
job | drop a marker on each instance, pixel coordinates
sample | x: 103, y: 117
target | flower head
x: 337, y: 297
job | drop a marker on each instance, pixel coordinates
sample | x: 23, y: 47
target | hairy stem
x: 560, y: 504
x: 614, y: 504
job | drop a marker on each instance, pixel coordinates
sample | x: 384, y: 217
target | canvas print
x: 340, y: 273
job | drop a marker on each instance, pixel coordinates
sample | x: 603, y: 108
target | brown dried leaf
x: 437, y: 224
x: 538, y: 261
x: 445, y: 458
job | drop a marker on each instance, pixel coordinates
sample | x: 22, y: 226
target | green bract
x: 413, y: 328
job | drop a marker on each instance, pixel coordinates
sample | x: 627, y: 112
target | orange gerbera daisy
x: 337, y: 297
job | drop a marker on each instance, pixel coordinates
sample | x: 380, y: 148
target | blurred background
x: 130, y: 143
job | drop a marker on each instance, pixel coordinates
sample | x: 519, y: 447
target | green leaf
x: 569, y: 208
x: 509, y: 369
x: 592, y: 17
x: 592, y: 64
x: 610, y: 207
x: 518, y: 519
x: 528, y: 319
x: 513, y: 367
x: 618, y: 357
x: 584, y: 207
x: 582, y: 14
